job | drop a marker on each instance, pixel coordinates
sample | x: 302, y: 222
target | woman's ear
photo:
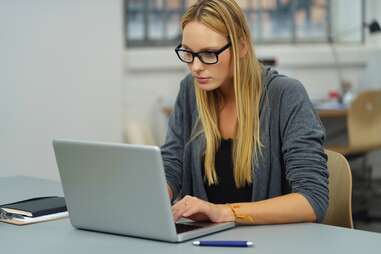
x: 243, y: 48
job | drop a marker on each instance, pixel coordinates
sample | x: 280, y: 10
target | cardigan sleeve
x: 173, y: 148
x: 303, y: 154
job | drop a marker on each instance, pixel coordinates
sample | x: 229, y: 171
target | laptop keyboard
x: 181, y: 228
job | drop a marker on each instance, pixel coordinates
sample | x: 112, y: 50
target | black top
x: 226, y: 191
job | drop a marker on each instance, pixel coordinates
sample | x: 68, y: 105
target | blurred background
x: 107, y: 71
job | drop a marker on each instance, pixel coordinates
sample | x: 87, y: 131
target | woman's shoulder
x: 186, y: 86
x: 275, y: 82
x: 187, y: 83
x: 276, y: 86
x: 186, y: 95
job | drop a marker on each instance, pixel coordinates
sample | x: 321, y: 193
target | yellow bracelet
x: 241, y: 218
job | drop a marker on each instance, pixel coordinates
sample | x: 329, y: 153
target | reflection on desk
x: 61, y: 237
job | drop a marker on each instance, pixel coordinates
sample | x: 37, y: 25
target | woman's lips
x: 202, y: 80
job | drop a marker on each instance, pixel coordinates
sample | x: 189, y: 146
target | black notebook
x: 36, y: 207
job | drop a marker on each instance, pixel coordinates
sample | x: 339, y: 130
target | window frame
x: 293, y: 39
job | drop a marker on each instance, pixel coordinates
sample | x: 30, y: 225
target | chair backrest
x: 339, y: 211
x: 364, y: 121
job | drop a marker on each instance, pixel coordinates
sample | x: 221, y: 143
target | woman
x: 243, y: 143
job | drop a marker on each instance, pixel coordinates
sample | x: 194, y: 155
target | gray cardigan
x: 293, y: 158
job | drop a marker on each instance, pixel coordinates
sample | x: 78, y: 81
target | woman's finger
x: 180, y: 207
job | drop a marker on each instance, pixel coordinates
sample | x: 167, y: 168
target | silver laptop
x: 121, y: 189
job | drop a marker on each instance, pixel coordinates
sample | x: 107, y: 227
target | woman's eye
x: 208, y: 54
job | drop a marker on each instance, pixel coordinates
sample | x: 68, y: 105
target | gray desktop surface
x: 60, y: 237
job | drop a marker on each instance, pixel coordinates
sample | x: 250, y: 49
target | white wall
x: 60, y: 77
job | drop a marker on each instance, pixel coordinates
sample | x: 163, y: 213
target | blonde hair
x: 227, y: 18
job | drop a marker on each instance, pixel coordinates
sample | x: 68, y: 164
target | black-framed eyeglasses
x: 207, y: 56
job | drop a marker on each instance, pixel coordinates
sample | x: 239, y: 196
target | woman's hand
x: 200, y: 210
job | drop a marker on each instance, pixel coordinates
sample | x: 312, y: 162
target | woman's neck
x: 228, y: 95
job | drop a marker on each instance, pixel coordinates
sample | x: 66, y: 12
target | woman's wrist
x: 240, y: 216
x: 226, y: 214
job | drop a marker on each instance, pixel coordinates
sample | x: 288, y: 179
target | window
x: 157, y: 22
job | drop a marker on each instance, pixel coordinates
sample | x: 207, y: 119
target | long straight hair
x: 227, y: 18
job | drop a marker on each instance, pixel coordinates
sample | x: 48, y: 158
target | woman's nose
x: 197, y: 65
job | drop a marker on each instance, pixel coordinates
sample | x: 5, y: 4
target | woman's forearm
x: 289, y: 208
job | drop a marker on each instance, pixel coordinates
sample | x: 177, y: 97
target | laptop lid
x: 120, y: 189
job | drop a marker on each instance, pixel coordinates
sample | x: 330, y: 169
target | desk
x: 60, y: 237
x: 328, y: 113
x: 335, y: 123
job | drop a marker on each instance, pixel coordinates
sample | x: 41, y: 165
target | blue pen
x: 223, y: 243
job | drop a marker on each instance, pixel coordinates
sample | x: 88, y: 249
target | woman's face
x: 198, y: 37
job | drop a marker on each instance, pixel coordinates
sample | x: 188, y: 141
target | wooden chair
x: 339, y: 211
